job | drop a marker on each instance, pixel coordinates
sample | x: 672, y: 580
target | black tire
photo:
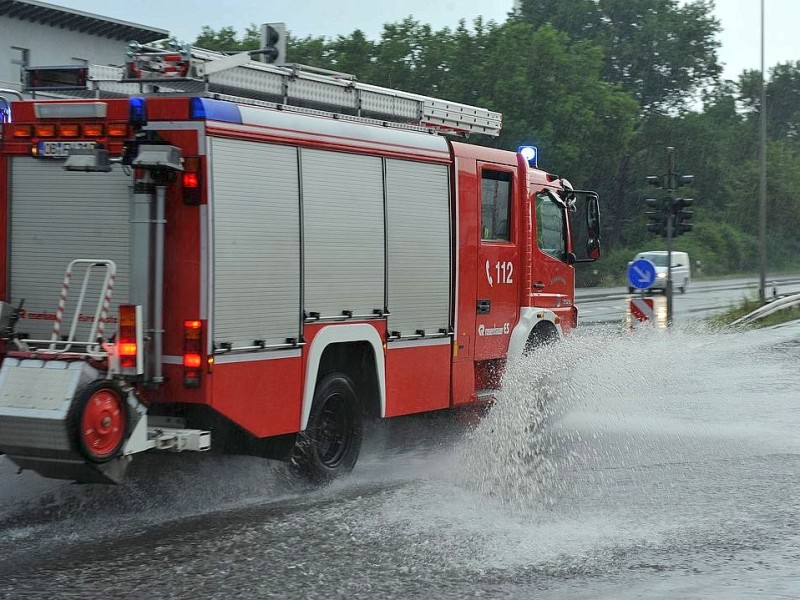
x: 331, y: 442
x: 630, y: 290
x: 98, y: 402
x: 683, y: 287
x: 541, y: 336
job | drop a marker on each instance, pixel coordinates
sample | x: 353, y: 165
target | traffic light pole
x: 669, y: 216
x: 671, y: 185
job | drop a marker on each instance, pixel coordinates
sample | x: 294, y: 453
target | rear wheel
x: 100, y: 421
x: 331, y: 442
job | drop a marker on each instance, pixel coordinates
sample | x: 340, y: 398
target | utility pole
x: 762, y: 192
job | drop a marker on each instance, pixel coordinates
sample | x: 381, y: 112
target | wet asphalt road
x: 650, y: 465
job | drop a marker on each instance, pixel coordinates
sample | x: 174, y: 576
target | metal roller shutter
x: 256, y: 241
x: 344, y: 240
x: 58, y: 216
x: 418, y: 229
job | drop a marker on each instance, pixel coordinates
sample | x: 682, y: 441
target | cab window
x: 551, y: 231
x: 495, y: 206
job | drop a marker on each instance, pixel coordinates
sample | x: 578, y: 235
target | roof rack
x: 239, y: 78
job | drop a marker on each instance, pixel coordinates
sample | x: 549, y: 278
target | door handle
x: 484, y: 307
x: 539, y: 285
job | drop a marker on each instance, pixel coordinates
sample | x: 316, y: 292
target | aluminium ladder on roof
x: 239, y: 78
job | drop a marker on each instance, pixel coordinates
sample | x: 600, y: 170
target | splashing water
x: 609, y: 462
x: 601, y: 401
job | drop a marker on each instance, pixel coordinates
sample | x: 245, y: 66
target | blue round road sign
x: 641, y: 273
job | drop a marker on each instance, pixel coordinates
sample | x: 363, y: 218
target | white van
x: 681, y: 270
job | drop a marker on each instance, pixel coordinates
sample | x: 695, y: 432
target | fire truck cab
x: 209, y: 257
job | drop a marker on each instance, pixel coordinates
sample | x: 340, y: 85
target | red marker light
x: 127, y: 347
x: 190, y: 180
x: 192, y: 352
x: 192, y: 360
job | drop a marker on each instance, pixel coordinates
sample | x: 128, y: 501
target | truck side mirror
x: 586, y: 227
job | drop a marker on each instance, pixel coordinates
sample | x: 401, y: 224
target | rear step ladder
x: 101, y: 309
x: 236, y: 77
x: 59, y: 344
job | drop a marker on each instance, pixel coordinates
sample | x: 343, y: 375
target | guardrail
x: 778, y: 305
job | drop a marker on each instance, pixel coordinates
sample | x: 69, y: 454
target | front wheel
x: 331, y: 442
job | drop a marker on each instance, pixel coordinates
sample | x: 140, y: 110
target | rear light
x: 192, y: 352
x: 68, y: 130
x: 191, y: 180
x: 117, y: 130
x: 128, y: 351
x: 129, y: 338
x: 21, y: 131
x: 45, y: 130
x: 192, y: 360
x: 93, y: 129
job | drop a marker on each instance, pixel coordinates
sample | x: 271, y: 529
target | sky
x: 740, y: 19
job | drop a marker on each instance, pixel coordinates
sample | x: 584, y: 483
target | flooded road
x: 645, y: 465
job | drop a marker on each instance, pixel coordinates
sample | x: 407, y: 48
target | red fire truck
x: 203, y: 246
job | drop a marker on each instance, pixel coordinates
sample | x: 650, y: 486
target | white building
x: 38, y: 34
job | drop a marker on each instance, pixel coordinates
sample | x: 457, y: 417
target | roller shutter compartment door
x: 256, y: 241
x: 418, y: 229
x: 344, y: 239
x: 56, y: 217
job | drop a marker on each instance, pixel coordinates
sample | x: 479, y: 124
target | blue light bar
x: 138, y: 111
x: 530, y: 153
x: 5, y: 111
x: 214, y: 110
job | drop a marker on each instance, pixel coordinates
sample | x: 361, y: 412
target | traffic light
x: 683, y: 215
x: 656, y: 216
x: 273, y: 43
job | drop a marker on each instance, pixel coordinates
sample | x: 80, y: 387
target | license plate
x: 62, y: 149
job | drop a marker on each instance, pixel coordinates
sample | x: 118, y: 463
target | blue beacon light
x: 5, y: 111
x: 138, y: 111
x: 530, y: 153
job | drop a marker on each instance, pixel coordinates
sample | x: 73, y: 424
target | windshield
x: 659, y: 260
x: 550, y: 226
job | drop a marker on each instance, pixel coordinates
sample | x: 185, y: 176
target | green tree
x: 783, y: 99
x: 662, y: 52
x: 310, y: 50
x: 352, y: 54
x: 225, y: 39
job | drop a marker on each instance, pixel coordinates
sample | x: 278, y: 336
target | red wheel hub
x: 103, y: 423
